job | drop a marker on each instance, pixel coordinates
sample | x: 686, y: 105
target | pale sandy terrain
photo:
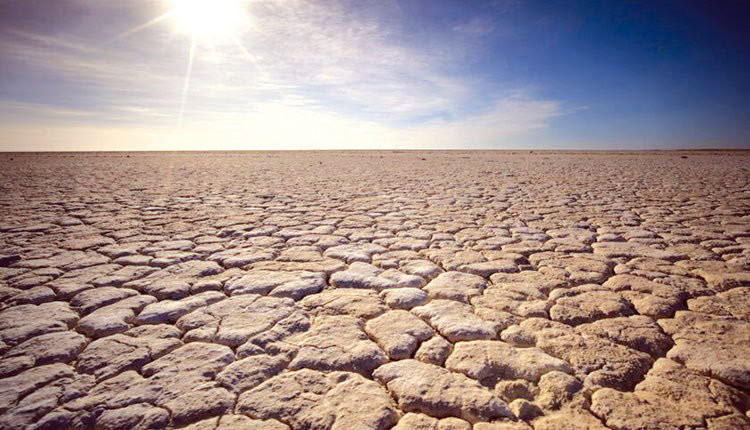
x: 375, y: 290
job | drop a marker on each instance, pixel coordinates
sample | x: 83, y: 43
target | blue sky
x: 297, y: 74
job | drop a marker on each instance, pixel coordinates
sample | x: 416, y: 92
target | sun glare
x: 214, y: 22
x: 208, y: 18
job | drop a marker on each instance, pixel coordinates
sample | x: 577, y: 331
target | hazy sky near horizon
x: 360, y: 74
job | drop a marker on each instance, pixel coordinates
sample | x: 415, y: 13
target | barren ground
x: 375, y: 290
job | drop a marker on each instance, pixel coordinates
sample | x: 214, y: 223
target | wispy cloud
x: 301, y: 74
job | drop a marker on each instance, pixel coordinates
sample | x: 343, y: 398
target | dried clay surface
x: 375, y: 290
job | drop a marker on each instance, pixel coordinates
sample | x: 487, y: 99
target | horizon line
x: 394, y: 150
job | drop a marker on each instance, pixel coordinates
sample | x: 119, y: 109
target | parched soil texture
x: 375, y: 290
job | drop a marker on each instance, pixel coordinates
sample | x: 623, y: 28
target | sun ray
x: 186, y: 85
x: 247, y: 54
x: 143, y: 26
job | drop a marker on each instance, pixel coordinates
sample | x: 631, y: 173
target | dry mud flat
x: 375, y: 290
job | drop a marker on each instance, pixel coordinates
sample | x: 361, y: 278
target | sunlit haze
x: 298, y: 74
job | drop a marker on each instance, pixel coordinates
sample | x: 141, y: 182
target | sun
x: 208, y: 18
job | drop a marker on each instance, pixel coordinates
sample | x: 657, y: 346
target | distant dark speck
x: 684, y: 156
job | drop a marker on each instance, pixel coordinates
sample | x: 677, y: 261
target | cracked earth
x: 375, y: 290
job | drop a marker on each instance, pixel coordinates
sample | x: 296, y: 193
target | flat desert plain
x: 375, y: 290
